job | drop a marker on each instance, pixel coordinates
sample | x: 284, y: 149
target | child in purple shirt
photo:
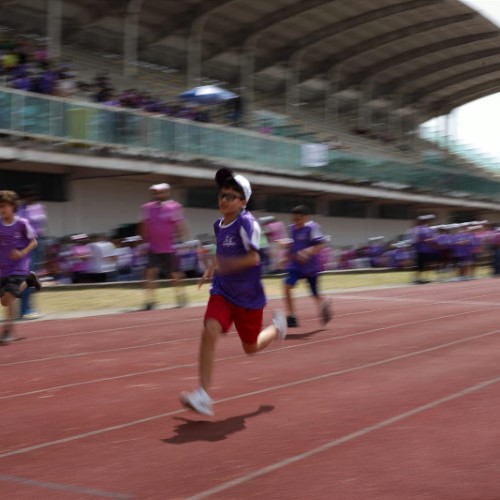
x: 17, y: 240
x: 237, y: 294
x: 304, y: 262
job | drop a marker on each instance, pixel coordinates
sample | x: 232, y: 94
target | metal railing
x: 69, y: 120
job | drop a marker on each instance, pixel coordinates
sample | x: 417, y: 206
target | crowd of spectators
x: 223, y: 114
x: 25, y: 65
x: 82, y: 258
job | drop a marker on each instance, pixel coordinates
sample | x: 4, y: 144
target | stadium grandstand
x: 331, y: 95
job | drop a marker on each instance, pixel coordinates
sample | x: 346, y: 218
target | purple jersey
x: 36, y: 215
x: 308, y: 235
x: 243, y: 288
x: 15, y: 236
x: 423, y: 238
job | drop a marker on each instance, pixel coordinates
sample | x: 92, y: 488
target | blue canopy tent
x: 207, y: 94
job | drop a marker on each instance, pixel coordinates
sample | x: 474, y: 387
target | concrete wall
x: 97, y: 206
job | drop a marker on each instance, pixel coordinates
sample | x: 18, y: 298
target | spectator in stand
x: 494, y: 242
x: 35, y: 213
x: 101, y: 265
x: 423, y: 238
x: 139, y: 256
x: 477, y: 247
x: 460, y: 249
x: 79, y: 258
x: 375, y: 251
x: 443, y: 243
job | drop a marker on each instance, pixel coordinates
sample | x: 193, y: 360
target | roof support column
x: 247, y: 83
x: 364, y: 108
x: 131, y: 37
x: 292, y: 97
x: 333, y: 79
x: 396, y: 122
x: 195, y: 48
x: 54, y: 19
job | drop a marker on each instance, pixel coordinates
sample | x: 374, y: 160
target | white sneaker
x: 7, y: 336
x: 326, y: 311
x: 279, y: 321
x: 32, y: 315
x: 198, y: 401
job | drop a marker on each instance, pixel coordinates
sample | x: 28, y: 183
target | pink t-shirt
x: 161, y: 220
x: 275, y: 231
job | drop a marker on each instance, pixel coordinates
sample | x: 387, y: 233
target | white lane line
x: 236, y: 356
x: 337, y: 442
x: 248, y: 394
x: 95, y: 353
x: 63, y: 487
x: 116, y: 329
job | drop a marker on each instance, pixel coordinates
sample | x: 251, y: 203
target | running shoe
x: 326, y: 311
x: 33, y: 281
x: 7, y: 336
x: 32, y: 315
x: 291, y: 321
x: 198, y: 401
x: 279, y: 321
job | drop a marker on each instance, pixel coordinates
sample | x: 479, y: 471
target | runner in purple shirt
x: 17, y: 240
x: 237, y: 294
x: 303, y: 262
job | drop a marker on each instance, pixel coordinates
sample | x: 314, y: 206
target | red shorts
x: 248, y: 322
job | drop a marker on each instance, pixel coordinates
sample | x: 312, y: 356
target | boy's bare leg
x: 178, y: 280
x: 288, y: 300
x: 8, y: 300
x: 209, y: 339
x: 150, y: 277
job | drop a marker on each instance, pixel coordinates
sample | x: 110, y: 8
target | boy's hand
x: 303, y: 256
x: 207, y: 276
x: 17, y: 254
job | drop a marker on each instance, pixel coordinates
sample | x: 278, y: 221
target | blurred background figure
x: 79, y: 257
x: 163, y: 224
x: 275, y: 231
x: 34, y: 211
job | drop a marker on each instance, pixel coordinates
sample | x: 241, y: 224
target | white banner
x: 314, y: 155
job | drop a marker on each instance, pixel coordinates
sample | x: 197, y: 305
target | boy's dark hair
x: 301, y: 210
x: 10, y: 197
x: 224, y: 179
x: 230, y: 183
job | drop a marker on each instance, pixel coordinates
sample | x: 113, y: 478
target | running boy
x: 237, y: 294
x: 304, y: 263
x: 17, y: 240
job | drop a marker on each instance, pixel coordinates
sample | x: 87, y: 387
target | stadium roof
x: 433, y: 55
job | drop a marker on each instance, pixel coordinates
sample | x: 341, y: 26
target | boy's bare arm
x: 17, y: 254
x: 231, y: 265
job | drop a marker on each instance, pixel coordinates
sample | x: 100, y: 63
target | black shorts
x: 11, y: 284
x: 166, y: 263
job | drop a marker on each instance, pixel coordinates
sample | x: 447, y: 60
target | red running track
x: 398, y: 398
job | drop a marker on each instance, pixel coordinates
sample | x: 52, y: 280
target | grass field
x: 68, y: 300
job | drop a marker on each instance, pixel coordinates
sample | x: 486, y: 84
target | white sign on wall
x: 314, y: 155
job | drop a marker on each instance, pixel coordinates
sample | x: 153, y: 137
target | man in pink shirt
x: 162, y: 225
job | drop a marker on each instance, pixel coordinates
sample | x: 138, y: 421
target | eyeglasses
x: 229, y: 196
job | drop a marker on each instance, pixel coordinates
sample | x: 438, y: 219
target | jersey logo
x: 229, y: 241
